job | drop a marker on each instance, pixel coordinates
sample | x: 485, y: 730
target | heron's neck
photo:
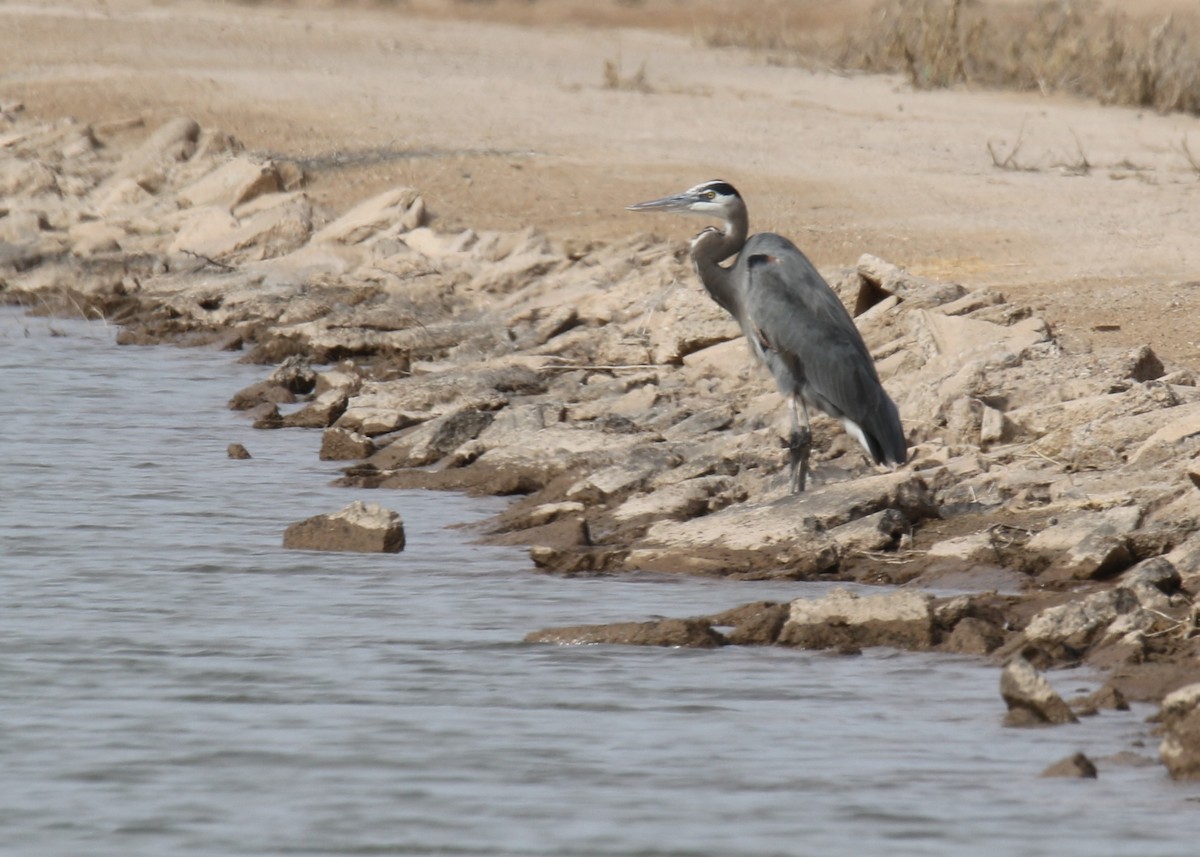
x: 713, y: 246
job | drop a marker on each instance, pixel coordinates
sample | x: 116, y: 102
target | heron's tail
x: 880, y: 432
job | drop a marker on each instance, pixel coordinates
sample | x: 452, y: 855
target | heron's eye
x: 710, y: 195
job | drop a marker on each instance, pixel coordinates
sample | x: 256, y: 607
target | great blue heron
x: 794, y: 323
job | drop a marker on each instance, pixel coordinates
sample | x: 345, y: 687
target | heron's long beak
x: 678, y: 202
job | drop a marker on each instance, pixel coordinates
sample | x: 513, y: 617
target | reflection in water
x: 176, y: 683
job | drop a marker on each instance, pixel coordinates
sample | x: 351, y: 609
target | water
x: 173, y: 682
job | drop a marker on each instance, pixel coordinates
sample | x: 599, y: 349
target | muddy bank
x: 598, y: 386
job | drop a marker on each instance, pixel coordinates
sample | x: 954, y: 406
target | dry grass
x: 1070, y: 46
x: 614, y: 79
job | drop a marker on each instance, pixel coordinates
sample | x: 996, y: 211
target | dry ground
x: 557, y: 114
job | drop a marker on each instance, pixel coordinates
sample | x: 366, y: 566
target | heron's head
x: 712, y: 199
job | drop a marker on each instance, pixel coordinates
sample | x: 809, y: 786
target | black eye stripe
x: 722, y: 188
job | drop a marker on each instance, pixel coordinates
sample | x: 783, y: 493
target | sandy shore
x: 508, y: 125
x: 420, y: 216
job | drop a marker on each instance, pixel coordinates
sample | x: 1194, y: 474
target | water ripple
x: 174, y: 682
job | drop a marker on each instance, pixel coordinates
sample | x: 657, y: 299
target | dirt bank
x: 505, y: 117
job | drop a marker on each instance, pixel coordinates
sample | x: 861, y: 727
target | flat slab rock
x: 903, y: 619
x: 690, y: 633
x: 360, y: 527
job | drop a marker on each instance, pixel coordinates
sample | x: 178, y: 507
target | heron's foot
x: 798, y: 450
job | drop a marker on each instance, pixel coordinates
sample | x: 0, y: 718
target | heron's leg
x: 801, y: 444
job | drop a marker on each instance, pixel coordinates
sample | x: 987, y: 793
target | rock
x: 972, y: 302
x: 636, y: 402
x: 801, y: 555
x: 148, y: 165
x: 236, y: 450
x: 976, y: 547
x: 434, y: 439
x: 1089, y: 545
x: 514, y: 271
x: 339, y: 378
x: 1185, y: 556
x: 295, y: 374
x: 201, y: 227
x: 1180, y: 747
x: 682, y: 500
x: 547, y: 512
x: 234, y: 182
x: 786, y: 526
x: 1102, y: 432
x: 22, y: 227
x: 756, y: 624
x: 80, y: 144
x: 973, y: 636
x: 435, y: 245
x: 372, y: 216
x: 1030, y: 698
x: 1107, y: 697
x: 1077, y: 766
x: 544, y: 323
x: 729, y: 359
x: 321, y: 412
x: 610, y: 482
x: 688, y: 320
x: 1069, y: 630
x: 878, y: 531
x: 117, y: 197
x: 21, y: 177
x: 360, y: 527
x: 542, y: 455
x: 1181, y: 435
x: 571, y: 559
x: 1153, y: 581
x: 265, y: 416
x: 259, y: 393
x: 961, y: 338
x: 560, y: 535
x: 878, y: 279
x: 1142, y: 364
x: 339, y: 444
x: 994, y: 428
x: 385, y: 406
x: 265, y: 228
x: 901, y: 619
x: 702, y: 422
x: 95, y: 236
x: 690, y: 633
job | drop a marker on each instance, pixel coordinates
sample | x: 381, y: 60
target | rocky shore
x: 1053, y: 487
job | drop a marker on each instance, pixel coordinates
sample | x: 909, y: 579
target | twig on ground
x: 1009, y: 161
x: 600, y: 366
x: 897, y: 558
x: 1034, y: 453
x: 208, y: 260
x: 1082, y: 166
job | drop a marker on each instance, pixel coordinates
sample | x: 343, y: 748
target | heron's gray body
x: 795, y: 324
x: 825, y: 362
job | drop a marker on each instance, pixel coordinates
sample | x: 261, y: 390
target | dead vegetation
x: 615, y: 79
x: 1077, y: 166
x: 1066, y: 46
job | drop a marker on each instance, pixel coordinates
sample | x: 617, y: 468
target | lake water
x: 173, y: 682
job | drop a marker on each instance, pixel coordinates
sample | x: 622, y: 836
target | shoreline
x: 601, y: 389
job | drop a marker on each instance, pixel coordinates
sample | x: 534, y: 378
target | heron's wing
x: 798, y: 316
